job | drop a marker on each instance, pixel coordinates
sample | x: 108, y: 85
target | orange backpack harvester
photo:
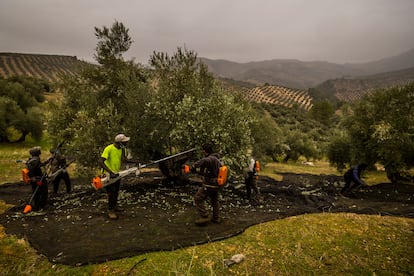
x: 256, y: 166
x: 25, y: 175
x: 222, y: 175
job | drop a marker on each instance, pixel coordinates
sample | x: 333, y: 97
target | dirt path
x: 75, y: 230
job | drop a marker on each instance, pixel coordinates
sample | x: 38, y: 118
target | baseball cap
x: 121, y: 138
x: 35, y: 151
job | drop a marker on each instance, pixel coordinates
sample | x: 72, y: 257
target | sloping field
x: 351, y: 89
x: 280, y: 95
x: 48, y: 67
x: 52, y: 67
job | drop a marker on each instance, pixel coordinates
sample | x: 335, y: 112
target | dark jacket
x: 354, y: 174
x: 34, y: 165
x: 209, y: 167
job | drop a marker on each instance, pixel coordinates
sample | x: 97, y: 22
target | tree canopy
x: 20, y: 112
x: 381, y: 129
x: 171, y: 106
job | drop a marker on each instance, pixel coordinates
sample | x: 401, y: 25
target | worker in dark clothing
x: 353, y: 176
x: 37, y: 179
x: 58, y: 162
x: 251, y: 181
x: 209, y: 168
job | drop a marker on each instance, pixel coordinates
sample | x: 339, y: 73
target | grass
x: 315, y: 244
x: 275, y: 171
x: 10, y: 168
x: 311, y: 244
x: 13, y: 155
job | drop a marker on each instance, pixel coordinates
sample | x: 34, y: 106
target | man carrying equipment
x: 209, y: 168
x: 37, y: 179
x: 111, y: 160
x: 251, y: 180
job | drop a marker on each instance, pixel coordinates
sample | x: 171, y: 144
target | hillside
x: 279, y: 95
x: 303, y: 75
x: 49, y: 67
x: 280, y: 82
x: 350, y: 89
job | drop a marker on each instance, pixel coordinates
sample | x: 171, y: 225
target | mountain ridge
x: 303, y: 74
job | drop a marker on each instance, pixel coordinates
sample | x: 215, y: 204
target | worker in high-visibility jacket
x: 111, y: 161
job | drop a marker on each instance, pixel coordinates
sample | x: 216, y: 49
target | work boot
x: 216, y: 220
x: 202, y: 221
x: 112, y: 214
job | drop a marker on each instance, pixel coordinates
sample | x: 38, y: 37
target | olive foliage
x: 381, y: 130
x: 20, y: 111
x: 173, y: 105
x: 190, y: 108
x: 100, y: 101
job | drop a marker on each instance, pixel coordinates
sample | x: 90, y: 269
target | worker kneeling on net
x: 353, y: 179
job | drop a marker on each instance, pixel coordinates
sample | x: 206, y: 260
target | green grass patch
x: 316, y: 244
x: 10, y: 169
x: 275, y: 171
x: 319, y: 167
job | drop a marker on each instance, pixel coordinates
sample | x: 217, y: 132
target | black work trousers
x: 40, y: 196
x: 58, y: 178
x: 350, y: 183
x: 200, y: 201
x: 251, y: 184
x: 112, y: 191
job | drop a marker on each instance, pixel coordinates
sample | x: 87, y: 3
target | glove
x: 113, y: 175
x: 39, y: 183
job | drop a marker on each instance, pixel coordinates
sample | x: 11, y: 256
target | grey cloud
x: 238, y: 30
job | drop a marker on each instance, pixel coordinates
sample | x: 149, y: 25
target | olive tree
x: 189, y: 108
x: 20, y: 112
x: 382, y: 129
x: 100, y: 101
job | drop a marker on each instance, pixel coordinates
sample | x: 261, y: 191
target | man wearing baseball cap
x: 111, y: 160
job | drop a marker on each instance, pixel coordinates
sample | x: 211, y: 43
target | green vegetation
x: 380, y: 130
x: 20, y: 115
x: 322, y: 244
x: 176, y: 104
x: 172, y: 106
x: 13, y: 153
x: 292, y: 135
x: 317, y: 244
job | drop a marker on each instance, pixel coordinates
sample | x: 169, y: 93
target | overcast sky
x: 238, y: 30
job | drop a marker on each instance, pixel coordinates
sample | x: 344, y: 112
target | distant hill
x: 350, y: 89
x: 48, y: 67
x: 280, y: 82
x: 300, y: 74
